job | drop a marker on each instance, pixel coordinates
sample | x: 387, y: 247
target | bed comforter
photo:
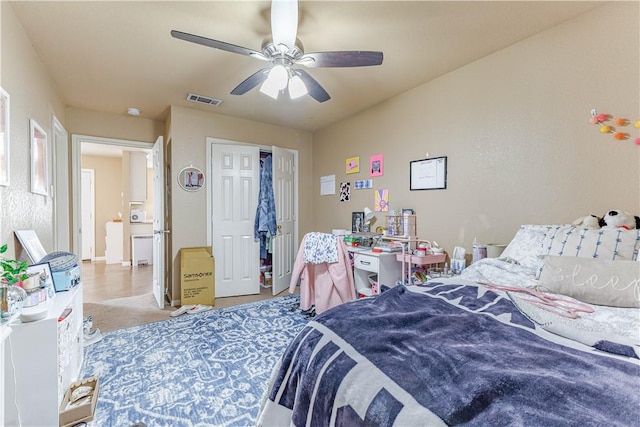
x: 447, y: 354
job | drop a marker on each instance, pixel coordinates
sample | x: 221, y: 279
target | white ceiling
x: 110, y: 55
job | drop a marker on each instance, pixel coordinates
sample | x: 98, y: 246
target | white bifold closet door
x: 235, y: 187
x: 284, y: 242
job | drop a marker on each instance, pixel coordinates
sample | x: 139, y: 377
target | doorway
x: 107, y: 263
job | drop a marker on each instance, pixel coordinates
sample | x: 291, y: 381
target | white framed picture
x: 4, y: 137
x: 39, y: 159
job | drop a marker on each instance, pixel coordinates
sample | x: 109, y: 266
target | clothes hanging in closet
x: 265, y: 224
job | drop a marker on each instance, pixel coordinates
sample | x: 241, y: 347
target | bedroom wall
x: 188, y: 132
x: 515, y: 127
x: 33, y: 96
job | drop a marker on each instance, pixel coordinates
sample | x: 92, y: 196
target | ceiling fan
x: 284, y: 52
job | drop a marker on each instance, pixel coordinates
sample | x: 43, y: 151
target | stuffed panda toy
x: 620, y: 219
x: 589, y: 221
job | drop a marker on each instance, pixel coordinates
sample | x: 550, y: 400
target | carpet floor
x: 124, y: 312
x: 205, y: 369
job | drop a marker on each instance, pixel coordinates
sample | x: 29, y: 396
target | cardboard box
x: 84, y: 411
x: 197, y: 276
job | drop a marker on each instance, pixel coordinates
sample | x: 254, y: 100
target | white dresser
x: 41, y: 359
x: 5, y: 331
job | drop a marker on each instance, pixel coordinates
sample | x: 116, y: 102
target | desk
x: 366, y: 262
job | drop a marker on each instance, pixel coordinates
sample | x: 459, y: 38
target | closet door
x: 284, y: 194
x: 235, y: 185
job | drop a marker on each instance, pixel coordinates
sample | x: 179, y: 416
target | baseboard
x: 100, y: 258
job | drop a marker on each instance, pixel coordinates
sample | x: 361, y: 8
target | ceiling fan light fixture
x: 276, y: 81
x: 297, y: 88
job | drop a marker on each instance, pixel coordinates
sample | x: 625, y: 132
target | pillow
x: 526, y: 245
x: 595, y: 281
x: 605, y: 243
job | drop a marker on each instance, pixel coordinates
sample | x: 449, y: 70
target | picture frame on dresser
x: 44, y: 270
x: 357, y: 222
x: 428, y: 174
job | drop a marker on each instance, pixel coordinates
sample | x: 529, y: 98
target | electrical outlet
x: 594, y: 113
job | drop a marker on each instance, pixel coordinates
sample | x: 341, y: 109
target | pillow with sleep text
x: 594, y: 281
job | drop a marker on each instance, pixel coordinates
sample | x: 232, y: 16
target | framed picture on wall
x: 376, y: 165
x: 4, y: 137
x: 39, y: 159
x: 191, y: 178
x: 428, y: 174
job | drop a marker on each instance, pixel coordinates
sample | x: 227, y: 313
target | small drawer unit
x: 382, y: 265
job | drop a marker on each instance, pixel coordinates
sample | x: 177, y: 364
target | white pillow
x: 526, y: 245
x: 605, y: 243
x: 595, y: 281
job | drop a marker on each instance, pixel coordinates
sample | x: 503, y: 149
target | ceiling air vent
x: 204, y: 99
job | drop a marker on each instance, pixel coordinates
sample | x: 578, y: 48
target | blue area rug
x: 205, y: 369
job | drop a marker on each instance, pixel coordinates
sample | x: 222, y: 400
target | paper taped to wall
x: 327, y: 185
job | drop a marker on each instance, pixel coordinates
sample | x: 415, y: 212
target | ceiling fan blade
x: 216, y: 44
x: 345, y: 58
x: 284, y: 22
x: 316, y: 91
x: 250, y: 82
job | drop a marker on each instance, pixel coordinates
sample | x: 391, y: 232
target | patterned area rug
x: 205, y: 369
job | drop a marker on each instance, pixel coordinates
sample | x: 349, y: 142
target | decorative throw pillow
x: 526, y: 245
x: 606, y: 244
x: 595, y: 281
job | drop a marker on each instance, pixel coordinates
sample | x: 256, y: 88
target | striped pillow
x: 605, y: 243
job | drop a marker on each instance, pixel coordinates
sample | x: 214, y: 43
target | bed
x: 546, y: 335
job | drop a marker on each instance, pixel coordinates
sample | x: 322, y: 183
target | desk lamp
x: 369, y: 218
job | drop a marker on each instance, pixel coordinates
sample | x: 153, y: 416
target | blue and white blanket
x: 445, y: 354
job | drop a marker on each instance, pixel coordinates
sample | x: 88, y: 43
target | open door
x: 88, y: 215
x: 284, y: 241
x: 158, y: 223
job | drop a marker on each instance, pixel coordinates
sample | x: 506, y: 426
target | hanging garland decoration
x: 607, y: 122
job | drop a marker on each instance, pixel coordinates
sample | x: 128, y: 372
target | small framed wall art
x: 352, y: 165
x: 191, y: 178
x: 376, y: 165
x: 39, y: 159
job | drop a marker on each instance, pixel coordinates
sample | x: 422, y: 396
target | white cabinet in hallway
x: 114, y: 237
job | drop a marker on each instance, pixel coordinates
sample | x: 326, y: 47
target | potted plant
x: 11, y: 297
x: 12, y: 271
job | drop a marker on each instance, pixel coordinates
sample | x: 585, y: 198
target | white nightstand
x: 384, y: 264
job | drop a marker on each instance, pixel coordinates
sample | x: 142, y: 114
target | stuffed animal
x: 589, y: 221
x: 620, y: 219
